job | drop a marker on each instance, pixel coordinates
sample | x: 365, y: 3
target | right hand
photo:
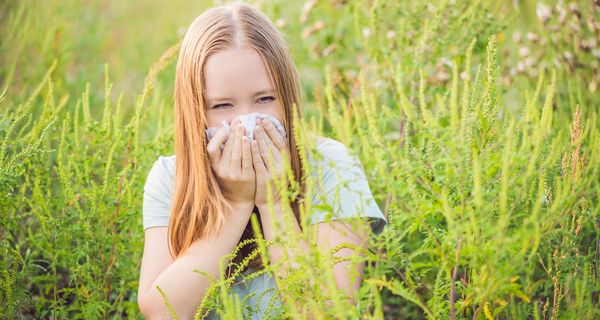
x: 232, y: 166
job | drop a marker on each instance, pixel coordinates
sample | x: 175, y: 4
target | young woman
x: 198, y: 203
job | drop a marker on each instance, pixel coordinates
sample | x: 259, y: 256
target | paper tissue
x: 249, y: 121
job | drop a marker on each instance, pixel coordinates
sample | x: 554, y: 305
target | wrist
x: 265, y: 206
x: 242, y: 207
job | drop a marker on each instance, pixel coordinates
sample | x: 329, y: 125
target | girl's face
x: 237, y: 83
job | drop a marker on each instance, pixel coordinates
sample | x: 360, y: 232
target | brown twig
x: 402, y: 133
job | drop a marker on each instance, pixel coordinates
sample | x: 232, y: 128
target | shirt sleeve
x: 158, y: 192
x: 343, y: 191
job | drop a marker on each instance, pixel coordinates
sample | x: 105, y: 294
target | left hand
x: 267, y: 140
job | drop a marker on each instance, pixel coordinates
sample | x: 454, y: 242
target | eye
x: 220, y: 105
x: 266, y: 99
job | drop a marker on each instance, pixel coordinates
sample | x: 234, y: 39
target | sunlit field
x: 477, y: 124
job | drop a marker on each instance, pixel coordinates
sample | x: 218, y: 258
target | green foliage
x: 490, y: 190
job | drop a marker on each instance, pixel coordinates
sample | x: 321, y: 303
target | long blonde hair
x: 199, y: 207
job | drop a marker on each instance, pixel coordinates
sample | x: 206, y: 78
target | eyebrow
x: 216, y: 99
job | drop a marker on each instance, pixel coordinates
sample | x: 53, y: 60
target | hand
x: 233, y: 165
x: 268, y: 141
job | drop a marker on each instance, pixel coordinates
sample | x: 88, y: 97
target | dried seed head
x: 569, y: 57
x: 517, y: 37
x: 574, y: 9
x: 524, y: 52
x: 556, y: 62
x: 529, y: 62
x: 543, y: 12
x: 280, y: 23
x: 315, y: 50
x: 562, y: 13
x: 366, y: 33
x: 586, y: 45
x: 312, y: 29
x: 574, y: 26
x: 308, y: 5
x: 442, y: 74
x: 328, y: 50
x: 532, y: 37
x: 532, y: 72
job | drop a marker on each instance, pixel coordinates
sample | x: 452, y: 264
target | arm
x: 184, y: 288
x: 348, y: 276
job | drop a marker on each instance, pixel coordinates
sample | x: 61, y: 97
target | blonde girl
x: 198, y: 202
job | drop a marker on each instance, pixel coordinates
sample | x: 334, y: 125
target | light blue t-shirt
x: 343, y: 188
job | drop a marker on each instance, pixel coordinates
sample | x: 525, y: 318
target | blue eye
x: 271, y: 98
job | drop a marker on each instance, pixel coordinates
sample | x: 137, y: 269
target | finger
x: 236, y: 153
x: 226, y: 155
x: 274, y: 134
x: 246, y: 154
x: 264, y: 147
x: 259, y: 165
x: 270, y: 142
x: 214, y: 145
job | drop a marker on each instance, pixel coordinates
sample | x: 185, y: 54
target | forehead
x: 235, y: 71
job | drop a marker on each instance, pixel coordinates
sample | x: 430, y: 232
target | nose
x: 240, y: 110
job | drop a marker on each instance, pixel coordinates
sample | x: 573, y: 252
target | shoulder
x: 334, y: 163
x: 163, y: 167
x: 342, y: 188
x: 161, y: 174
x: 158, y: 192
x: 326, y: 144
x: 331, y: 155
x: 331, y: 151
x: 166, y: 163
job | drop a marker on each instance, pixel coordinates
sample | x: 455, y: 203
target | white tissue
x: 249, y: 121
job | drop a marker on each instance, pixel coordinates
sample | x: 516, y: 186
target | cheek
x: 275, y: 111
x: 214, y: 118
